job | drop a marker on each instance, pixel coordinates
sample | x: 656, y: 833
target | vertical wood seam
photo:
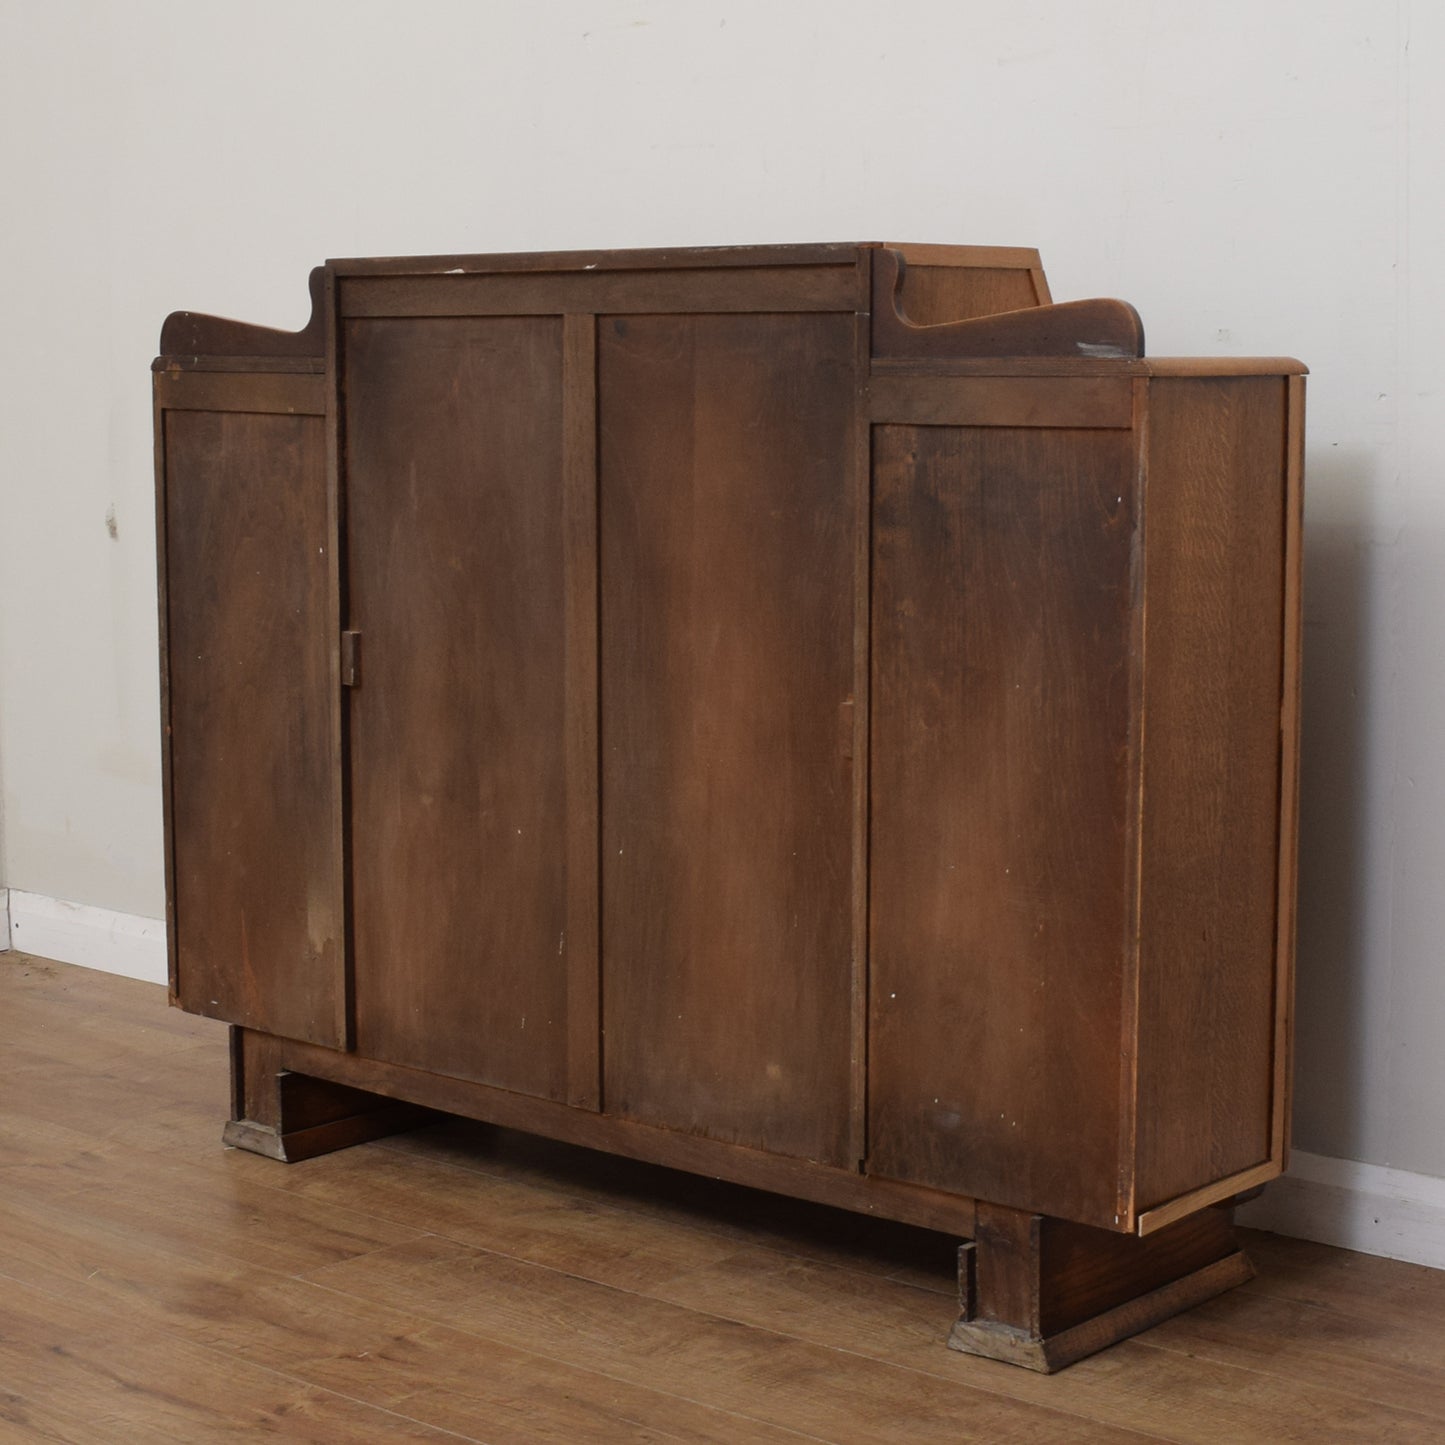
x: 1134, y: 845
x: 340, y: 703
x: 1288, y: 837
x: 862, y: 501
x: 173, y: 982
x: 581, y: 709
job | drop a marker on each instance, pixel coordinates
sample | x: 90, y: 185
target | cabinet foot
x: 290, y: 1117
x: 1043, y: 1293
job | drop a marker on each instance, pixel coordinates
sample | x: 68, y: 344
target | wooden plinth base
x: 1033, y: 1290
x: 291, y: 1146
x: 290, y: 1116
x: 1043, y: 1293
x: 1049, y: 1353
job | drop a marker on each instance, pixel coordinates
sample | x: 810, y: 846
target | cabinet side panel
x: 727, y: 624
x: 1001, y: 634
x: 456, y: 583
x: 254, y: 772
x: 1213, y: 610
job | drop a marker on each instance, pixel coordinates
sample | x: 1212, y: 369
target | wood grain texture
x: 1002, y: 401
x: 163, y: 648
x: 459, y: 745
x: 254, y: 365
x: 959, y: 283
x: 1087, y: 1272
x: 289, y: 1116
x: 1213, y: 589
x: 579, y: 483
x: 1078, y: 366
x: 266, y: 391
x: 155, y: 1286
x: 933, y: 294
x: 256, y: 896
x: 843, y: 1187
x: 1001, y: 637
x: 1049, y: 1353
x: 1006, y: 1281
x: 190, y: 334
x: 753, y: 288
x: 1099, y: 328
x: 727, y: 536
x: 1289, y: 731
x: 1134, y: 835
x: 83, y: 1372
x: 615, y: 605
x: 857, y: 712
x: 644, y: 258
x: 924, y: 253
x: 1185, y: 1205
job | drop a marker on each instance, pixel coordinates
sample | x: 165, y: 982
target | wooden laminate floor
x: 463, y: 1283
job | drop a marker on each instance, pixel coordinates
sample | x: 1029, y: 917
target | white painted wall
x: 1256, y: 178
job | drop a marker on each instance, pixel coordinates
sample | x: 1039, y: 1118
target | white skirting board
x: 92, y: 937
x: 1364, y: 1207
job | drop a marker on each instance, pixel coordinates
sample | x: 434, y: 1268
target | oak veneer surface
x: 750, y: 765
x: 256, y: 888
x: 727, y: 534
x: 464, y: 1283
x: 1001, y: 631
x: 952, y: 293
x: 1213, y: 651
x: 458, y: 785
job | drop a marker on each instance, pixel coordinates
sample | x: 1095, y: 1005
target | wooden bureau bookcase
x: 822, y: 717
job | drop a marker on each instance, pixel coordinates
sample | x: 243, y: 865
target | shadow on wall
x: 1331, y: 1003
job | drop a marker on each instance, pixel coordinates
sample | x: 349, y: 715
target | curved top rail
x: 1090, y: 329
x: 190, y: 333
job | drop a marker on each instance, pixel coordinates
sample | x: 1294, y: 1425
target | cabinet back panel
x: 728, y: 532
x: 456, y: 584
x: 254, y: 772
x: 1000, y: 747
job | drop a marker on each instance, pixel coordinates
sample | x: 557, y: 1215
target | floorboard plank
x: 103, y: 1380
x: 208, y: 1291
x: 388, y: 1358
x: 475, y: 1284
x: 843, y: 1396
x: 609, y: 1237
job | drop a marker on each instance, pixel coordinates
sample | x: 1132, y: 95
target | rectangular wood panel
x: 456, y: 531
x: 747, y: 288
x: 1213, y: 659
x: 280, y: 392
x: 727, y: 628
x: 255, y: 775
x: 1074, y: 402
x: 1001, y: 627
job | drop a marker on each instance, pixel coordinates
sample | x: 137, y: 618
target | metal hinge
x: 351, y: 659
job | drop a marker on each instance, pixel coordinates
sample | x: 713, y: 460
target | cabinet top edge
x: 826, y: 253
x: 1158, y: 367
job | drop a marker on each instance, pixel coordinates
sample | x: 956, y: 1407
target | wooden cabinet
x: 817, y: 716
